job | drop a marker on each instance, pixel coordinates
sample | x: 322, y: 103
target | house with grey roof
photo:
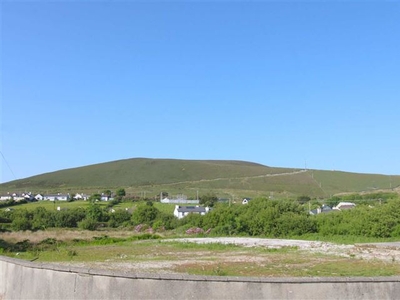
x: 57, y: 197
x: 80, y: 196
x: 182, y: 211
x: 39, y: 197
x: 321, y: 210
x: 5, y: 197
x: 344, y: 206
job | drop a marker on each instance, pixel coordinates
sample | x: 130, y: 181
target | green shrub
x: 88, y: 224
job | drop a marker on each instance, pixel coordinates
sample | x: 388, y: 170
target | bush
x: 145, y: 214
x: 21, y: 223
x: 119, y: 217
x: 88, y: 224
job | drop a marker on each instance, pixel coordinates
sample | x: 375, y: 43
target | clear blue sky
x: 281, y: 84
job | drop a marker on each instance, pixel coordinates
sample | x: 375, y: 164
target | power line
x: 15, y: 177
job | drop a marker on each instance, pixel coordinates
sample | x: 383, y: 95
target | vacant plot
x: 215, y: 256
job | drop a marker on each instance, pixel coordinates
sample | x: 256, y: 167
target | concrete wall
x: 28, y: 280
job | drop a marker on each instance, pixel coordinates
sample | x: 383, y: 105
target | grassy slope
x: 189, y: 176
x: 334, y: 181
x: 142, y: 172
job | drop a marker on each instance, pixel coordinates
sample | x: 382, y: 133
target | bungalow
x: 246, y: 200
x: 5, y: 197
x: 29, y: 197
x: 105, y: 197
x: 182, y: 211
x: 39, y: 197
x: 18, y: 197
x: 57, y: 197
x: 321, y: 210
x: 179, y: 201
x: 81, y: 196
x: 344, y: 206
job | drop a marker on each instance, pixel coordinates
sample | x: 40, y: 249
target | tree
x: 42, y: 218
x: 145, y: 214
x: 21, y: 220
x: 21, y: 223
x: 88, y: 224
x: 96, y: 213
x: 208, y: 200
x: 107, y: 193
x: 95, y: 197
x: 119, y: 217
x: 120, y: 192
x: 303, y: 199
x: 69, y: 218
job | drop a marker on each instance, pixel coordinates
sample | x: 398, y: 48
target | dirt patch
x: 282, y: 258
x: 59, y: 234
x: 380, y: 251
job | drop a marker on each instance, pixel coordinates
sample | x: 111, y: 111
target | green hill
x: 141, y: 175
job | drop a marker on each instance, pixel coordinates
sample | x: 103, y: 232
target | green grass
x: 333, y: 181
x: 232, y: 179
x: 293, y: 264
x: 51, y: 205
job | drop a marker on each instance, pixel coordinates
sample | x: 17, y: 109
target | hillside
x: 187, y: 176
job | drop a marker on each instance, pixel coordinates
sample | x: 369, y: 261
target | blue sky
x: 281, y: 84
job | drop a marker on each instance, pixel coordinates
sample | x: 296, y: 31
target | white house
x: 320, y: 210
x: 182, y: 211
x: 56, y: 197
x: 246, y: 200
x: 5, y: 197
x: 344, y: 205
x: 39, y: 197
x: 179, y: 201
x: 81, y: 197
x: 18, y: 197
x: 105, y: 198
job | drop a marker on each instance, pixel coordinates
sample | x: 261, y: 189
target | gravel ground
x: 385, y: 252
x: 381, y: 251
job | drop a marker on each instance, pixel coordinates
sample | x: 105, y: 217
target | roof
x: 323, y: 209
x: 198, y: 209
x: 326, y: 208
x: 345, y: 205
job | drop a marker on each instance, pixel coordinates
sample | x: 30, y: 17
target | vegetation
x: 376, y: 215
x: 208, y: 200
x: 210, y: 259
x: 146, y: 178
x: 375, y: 218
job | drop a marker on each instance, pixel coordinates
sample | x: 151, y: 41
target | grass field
x: 51, y: 205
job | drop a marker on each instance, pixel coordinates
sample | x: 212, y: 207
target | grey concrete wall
x: 28, y: 280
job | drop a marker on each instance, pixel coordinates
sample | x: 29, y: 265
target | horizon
x: 288, y: 85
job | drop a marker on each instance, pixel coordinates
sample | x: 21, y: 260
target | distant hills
x: 225, y: 178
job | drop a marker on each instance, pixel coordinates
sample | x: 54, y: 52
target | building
x: 57, y: 197
x: 182, y: 211
x: 344, y: 206
x: 246, y: 200
x: 321, y: 210
x: 179, y: 201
